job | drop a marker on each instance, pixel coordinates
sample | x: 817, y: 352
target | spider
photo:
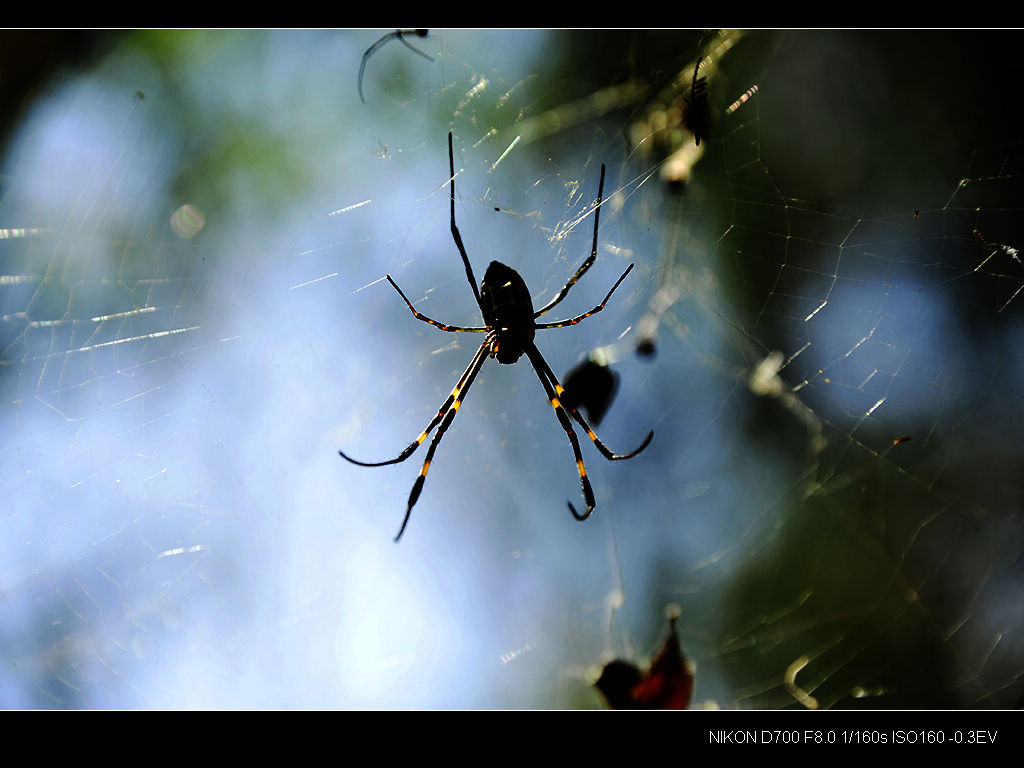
x: 698, y: 115
x: 667, y: 683
x: 510, y: 325
x: 591, y: 385
x: 398, y: 33
x: 1009, y: 250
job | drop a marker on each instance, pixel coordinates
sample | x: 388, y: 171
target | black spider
x: 698, y: 113
x: 400, y: 35
x: 509, y: 319
x: 591, y: 385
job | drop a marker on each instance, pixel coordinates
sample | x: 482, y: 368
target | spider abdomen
x: 508, y: 309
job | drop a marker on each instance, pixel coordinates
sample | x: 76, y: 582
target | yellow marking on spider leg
x: 555, y: 403
x: 421, y: 438
x: 559, y: 389
x: 581, y: 468
x: 424, y: 468
x: 591, y: 435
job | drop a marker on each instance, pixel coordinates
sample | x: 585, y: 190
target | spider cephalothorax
x: 510, y: 325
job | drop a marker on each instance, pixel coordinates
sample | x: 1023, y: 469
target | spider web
x: 194, y: 233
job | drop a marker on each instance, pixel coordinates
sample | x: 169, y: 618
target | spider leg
x: 410, y: 46
x: 425, y: 319
x: 455, y: 229
x: 369, y: 52
x: 545, y: 370
x: 454, y: 398
x: 586, y: 264
x: 383, y: 41
x: 539, y: 366
x: 594, y: 311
